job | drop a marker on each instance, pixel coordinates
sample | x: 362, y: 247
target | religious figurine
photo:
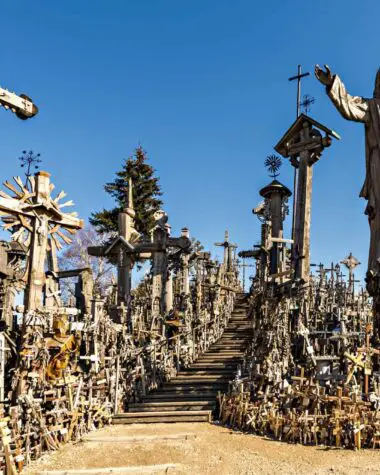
x: 366, y: 111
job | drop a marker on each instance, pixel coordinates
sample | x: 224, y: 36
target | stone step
x: 204, y: 365
x: 238, y: 328
x: 242, y: 337
x: 192, y: 388
x: 228, y: 345
x: 232, y: 340
x: 239, y: 324
x: 236, y: 338
x: 201, y: 378
x: 181, y: 396
x: 162, y: 416
x: 218, y: 363
x: 173, y: 406
x: 228, y: 358
x: 220, y: 352
x: 206, y: 371
x: 231, y: 331
x: 215, y: 362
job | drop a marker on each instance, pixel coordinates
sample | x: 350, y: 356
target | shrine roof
x: 296, y: 128
x: 275, y: 186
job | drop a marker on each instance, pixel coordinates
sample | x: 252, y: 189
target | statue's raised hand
x: 325, y: 77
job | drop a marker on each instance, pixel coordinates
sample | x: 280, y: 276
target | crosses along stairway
x: 191, y: 395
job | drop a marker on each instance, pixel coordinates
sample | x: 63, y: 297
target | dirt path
x: 209, y: 449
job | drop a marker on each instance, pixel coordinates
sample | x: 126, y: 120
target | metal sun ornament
x: 273, y: 164
x: 29, y: 160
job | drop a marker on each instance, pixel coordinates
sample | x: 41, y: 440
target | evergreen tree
x: 146, y: 193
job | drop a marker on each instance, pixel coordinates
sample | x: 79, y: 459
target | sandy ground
x: 210, y: 449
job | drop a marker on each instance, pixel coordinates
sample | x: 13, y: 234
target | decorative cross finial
x: 307, y: 102
x: 273, y: 164
x: 30, y: 160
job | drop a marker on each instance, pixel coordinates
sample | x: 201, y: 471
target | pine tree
x: 146, y: 193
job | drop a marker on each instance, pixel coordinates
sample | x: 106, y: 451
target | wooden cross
x: 300, y: 379
x: 367, y: 358
x: 37, y: 221
x: 228, y: 247
x: 339, y: 398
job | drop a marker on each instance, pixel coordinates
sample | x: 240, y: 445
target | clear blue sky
x: 202, y: 85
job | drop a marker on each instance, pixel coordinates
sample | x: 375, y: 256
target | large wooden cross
x: 36, y: 220
x: 228, y: 248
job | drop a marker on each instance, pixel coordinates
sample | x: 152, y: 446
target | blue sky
x: 202, y: 85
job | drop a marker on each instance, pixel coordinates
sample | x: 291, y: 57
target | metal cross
x: 298, y: 77
x: 307, y: 102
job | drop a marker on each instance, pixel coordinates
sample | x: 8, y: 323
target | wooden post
x: 303, y: 211
x: 116, y: 402
x: 304, y: 140
x: 38, y: 246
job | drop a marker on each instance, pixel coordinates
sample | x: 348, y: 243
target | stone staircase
x: 191, y: 395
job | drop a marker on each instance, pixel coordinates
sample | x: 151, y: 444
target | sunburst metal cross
x: 273, y: 163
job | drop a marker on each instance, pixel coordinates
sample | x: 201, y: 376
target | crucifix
x: 37, y: 221
x: 297, y: 78
x: 351, y: 262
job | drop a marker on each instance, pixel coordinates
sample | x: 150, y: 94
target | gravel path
x: 210, y: 450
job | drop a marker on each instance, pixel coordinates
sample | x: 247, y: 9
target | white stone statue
x: 367, y: 111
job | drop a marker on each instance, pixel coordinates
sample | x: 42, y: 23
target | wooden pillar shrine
x: 276, y: 196
x: 304, y: 143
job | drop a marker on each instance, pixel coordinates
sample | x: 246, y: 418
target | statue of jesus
x: 366, y: 111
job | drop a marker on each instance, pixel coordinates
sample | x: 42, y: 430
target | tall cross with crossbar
x: 300, y: 75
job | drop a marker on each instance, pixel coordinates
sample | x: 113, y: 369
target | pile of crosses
x: 65, y: 370
x: 312, y: 372
x: 308, y: 413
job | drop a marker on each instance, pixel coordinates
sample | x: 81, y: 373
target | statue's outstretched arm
x: 350, y: 107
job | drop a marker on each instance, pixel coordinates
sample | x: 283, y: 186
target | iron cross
x: 298, y: 77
